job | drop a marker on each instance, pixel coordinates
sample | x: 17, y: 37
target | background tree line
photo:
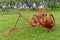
x: 19, y: 4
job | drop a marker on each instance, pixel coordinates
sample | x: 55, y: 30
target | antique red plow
x: 41, y: 20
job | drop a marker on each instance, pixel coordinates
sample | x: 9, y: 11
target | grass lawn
x: 32, y: 33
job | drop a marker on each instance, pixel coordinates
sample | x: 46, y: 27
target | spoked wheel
x: 49, y: 23
x: 34, y: 20
x: 37, y: 20
x: 52, y: 19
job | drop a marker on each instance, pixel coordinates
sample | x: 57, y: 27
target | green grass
x: 7, y: 21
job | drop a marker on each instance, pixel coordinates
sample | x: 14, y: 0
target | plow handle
x: 14, y: 28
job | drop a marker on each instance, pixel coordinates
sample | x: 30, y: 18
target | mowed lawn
x: 8, y: 20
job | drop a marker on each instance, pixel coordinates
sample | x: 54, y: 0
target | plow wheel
x: 51, y: 19
x: 34, y: 20
x: 47, y: 21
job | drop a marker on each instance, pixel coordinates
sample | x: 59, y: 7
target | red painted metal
x: 43, y: 20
